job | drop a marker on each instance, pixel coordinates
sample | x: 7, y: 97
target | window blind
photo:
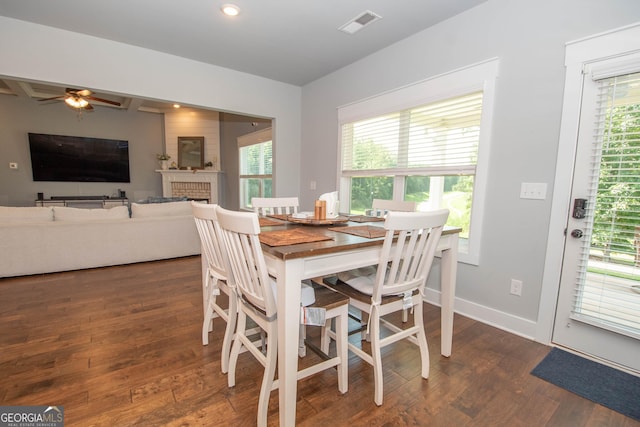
x: 440, y: 138
x: 607, y: 292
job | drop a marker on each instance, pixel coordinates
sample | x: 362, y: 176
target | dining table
x: 297, y: 249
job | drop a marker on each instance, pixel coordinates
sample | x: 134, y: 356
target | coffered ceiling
x: 40, y: 91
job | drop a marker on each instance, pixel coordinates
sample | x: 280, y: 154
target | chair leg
x: 405, y: 315
x: 302, y: 334
x: 269, y: 375
x: 421, y: 336
x: 235, y: 349
x: 207, y: 324
x: 325, y: 338
x: 229, y: 331
x: 342, y: 336
x: 376, y: 357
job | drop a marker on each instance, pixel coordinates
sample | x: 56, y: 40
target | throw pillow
x: 81, y: 215
x: 25, y: 214
x: 146, y: 210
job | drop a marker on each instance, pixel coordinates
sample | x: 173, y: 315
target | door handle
x: 577, y: 233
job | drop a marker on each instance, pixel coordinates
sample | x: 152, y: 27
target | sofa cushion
x: 145, y: 210
x: 25, y: 214
x: 61, y: 213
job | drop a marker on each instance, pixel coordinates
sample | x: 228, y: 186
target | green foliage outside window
x: 617, y: 209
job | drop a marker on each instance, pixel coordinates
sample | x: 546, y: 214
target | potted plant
x: 164, y: 160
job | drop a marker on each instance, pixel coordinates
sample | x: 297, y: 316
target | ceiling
x: 292, y: 41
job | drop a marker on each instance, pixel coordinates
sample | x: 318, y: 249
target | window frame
x: 253, y: 138
x: 477, y: 77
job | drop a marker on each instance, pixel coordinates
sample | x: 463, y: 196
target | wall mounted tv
x: 78, y: 159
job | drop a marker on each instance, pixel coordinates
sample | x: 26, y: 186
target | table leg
x: 289, y: 275
x: 449, y: 265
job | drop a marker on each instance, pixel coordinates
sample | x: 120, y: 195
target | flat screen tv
x: 78, y: 159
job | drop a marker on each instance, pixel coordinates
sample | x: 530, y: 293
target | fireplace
x: 193, y: 184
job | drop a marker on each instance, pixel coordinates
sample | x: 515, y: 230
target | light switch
x: 533, y: 190
x: 312, y: 185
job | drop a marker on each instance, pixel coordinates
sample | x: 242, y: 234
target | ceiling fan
x: 79, y: 99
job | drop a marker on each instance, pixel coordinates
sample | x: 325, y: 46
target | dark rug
x: 601, y: 384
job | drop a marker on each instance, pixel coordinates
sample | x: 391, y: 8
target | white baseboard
x: 490, y: 316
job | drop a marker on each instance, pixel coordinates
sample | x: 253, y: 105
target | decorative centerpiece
x: 164, y: 160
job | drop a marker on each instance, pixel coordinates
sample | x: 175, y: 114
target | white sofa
x: 35, y: 240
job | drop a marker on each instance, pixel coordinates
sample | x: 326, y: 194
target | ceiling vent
x: 359, y: 22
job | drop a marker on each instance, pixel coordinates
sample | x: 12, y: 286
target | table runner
x: 290, y: 237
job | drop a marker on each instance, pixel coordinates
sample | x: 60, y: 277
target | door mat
x: 609, y: 387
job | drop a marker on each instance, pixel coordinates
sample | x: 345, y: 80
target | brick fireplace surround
x: 194, y: 184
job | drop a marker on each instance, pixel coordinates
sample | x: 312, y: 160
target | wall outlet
x: 516, y: 287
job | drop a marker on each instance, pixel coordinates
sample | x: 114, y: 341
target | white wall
x: 529, y: 40
x: 39, y: 53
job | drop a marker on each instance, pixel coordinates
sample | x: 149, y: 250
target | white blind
x: 608, y: 289
x: 440, y: 138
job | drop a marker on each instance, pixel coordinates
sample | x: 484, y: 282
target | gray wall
x: 529, y: 39
x: 18, y: 116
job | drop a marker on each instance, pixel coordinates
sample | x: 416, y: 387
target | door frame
x: 613, y: 43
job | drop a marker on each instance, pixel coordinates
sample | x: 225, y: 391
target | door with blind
x: 598, y: 310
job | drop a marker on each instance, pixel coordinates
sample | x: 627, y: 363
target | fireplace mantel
x: 173, y: 178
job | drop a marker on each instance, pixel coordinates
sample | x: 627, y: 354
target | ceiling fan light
x: 76, y: 102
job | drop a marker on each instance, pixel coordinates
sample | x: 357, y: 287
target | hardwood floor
x: 121, y: 346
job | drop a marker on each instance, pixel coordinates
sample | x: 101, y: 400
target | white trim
x: 578, y: 53
x: 475, y: 77
x: 507, y: 322
x: 448, y: 85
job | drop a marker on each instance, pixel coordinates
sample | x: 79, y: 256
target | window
x: 255, y: 154
x: 426, y: 143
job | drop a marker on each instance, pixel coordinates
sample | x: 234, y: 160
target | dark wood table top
x: 338, y: 242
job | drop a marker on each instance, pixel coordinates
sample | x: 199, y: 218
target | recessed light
x: 230, y: 9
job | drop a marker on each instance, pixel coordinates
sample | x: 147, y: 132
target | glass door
x: 598, y: 309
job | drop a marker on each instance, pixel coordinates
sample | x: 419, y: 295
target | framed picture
x: 191, y: 152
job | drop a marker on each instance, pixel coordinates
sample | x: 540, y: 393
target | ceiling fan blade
x: 88, y: 107
x: 52, y: 98
x: 106, y: 101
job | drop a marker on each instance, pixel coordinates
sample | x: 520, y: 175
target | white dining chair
x: 275, y: 205
x: 382, y: 205
x: 257, y: 300
x: 215, y: 278
x: 397, y: 283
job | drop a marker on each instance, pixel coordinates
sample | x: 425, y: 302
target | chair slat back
x: 210, y: 239
x: 408, y: 250
x: 393, y: 205
x: 240, y: 234
x: 275, y: 205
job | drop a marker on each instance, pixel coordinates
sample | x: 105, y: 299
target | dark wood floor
x: 120, y: 346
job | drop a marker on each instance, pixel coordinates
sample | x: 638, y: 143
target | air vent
x: 359, y: 22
